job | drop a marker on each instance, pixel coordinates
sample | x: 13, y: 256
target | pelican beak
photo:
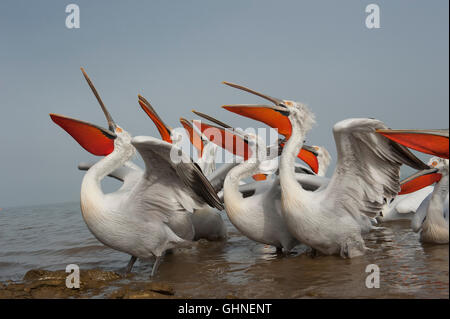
x: 265, y: 114
x: 94, y: 139
x: 273, y: 115
x: 164, y: 130
x: 259, y: 177
x: 224, y: 136
x: 434, y: 142
x: 419, y: 180
x: 274, y: 100
x: 195, y: 138
x: 308, y: 154
x: 111, y: 124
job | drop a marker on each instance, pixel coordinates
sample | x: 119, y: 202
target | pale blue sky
x: 176, y: 53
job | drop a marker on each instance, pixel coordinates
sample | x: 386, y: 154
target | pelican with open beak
x: 142, y: 218
x: 431, y: 217
x: 258, y: 217
x: 332, y: 219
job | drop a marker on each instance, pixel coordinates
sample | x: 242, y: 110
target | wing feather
x: 161, y: 157
x: 368, y: 167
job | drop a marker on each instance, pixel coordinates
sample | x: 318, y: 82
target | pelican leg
x: 130, y: 264
x: 156, y: 265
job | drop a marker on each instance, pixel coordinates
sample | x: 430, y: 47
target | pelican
x: 208, y: 224
x: 431, y: 218
x: 432, y: 215
x: 151, y: 216
x: 257, y: 217
x: 207, y: 221
x: 333, y: 218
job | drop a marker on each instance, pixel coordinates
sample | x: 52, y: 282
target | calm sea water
x: 53, y: 236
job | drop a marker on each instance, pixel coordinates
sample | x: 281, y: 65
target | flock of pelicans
x: 172, y: 203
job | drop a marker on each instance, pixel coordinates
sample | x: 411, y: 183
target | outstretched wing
x: 368, y: 167
x: 165, y: 160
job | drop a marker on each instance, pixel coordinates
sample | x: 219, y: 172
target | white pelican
x: 208, y: 224
x: 332, y: 218
x: 153, y: 215
x: 432, y: 215
x: 258, y: 217
x: 431, y: 218
x: 207, y: 220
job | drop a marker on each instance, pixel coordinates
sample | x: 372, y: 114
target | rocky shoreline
x: 94, y: 283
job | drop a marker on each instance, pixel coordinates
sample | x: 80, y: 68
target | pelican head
x: 288, y: 111
x: 93, y: 138
x: 441, y: 164
x: 279, y: 116
x: 426, y: 177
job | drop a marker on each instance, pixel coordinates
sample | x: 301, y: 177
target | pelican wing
x: 367, y: 169
x: 163, y: 159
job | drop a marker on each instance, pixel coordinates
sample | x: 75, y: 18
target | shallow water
x: 53, y: 236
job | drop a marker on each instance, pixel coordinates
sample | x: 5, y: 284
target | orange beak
x: 279, y: 121
x: 268, y: 116
x: 309, y: 158
x: 274, y: 116
x: 94, y: 139
x: 259, y: 177
x: 434, y: 142
x: 225, y: 139
x: 419, y: 180
x: 163, y: 129
x: 194, y: 137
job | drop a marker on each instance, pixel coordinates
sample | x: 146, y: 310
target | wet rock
x: 45, y: 284
x: 39, y: 283
x: 151, y: 290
